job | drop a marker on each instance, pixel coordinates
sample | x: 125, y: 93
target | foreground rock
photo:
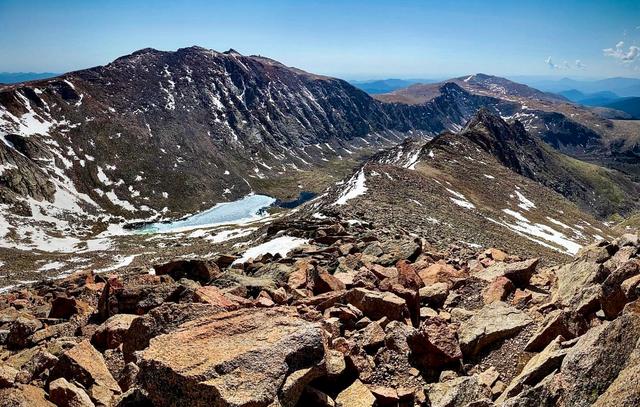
x: 65, y: 394
x: 597, y: 359
x: 237, y: 358
x: 457, y: 392
x: 355, y: 318
x: 434, y: 344
x: 24, y: 396
x: 356, y: 395
x: 492, y: 323
x: 83, y: 364
x: 519, y: 272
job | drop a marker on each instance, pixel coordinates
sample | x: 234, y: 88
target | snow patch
x: 525, y: 203
x: 536, y: 231
x: 282, y: 245
x: 355, y: 187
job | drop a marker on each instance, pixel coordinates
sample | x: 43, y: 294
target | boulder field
x: 352, y: 318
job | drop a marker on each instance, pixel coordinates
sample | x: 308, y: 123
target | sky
x: 348, y: 39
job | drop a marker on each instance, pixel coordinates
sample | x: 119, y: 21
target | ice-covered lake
x: 247, y: 209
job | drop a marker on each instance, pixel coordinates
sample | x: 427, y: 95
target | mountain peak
x: 487, y: 118
x: 494, y: 129
x: 232, y: 51
x: 193, y: 48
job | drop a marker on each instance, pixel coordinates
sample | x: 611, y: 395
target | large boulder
x: 65, y: 307
x: 111, y: 333
x: 161, y: 320
x: 389, y: 252
x: 519, y: 272
x: 492, y: 323
x: 24, y: 396
x: 20, y: 330
x: 434, y: 344
x: 442, y: 273
x: 434, y: 294
x: 356, y: 395
x: 457, y: 392
x: 556, y: 323
x: 625, y: 389
x: 66, y: 394
x: 543, y: 394
x: 213, y: 295
x: 573, y: 279
x: 83, y: 364
x: 498, y: 290
x: 324, y: 282
x: 7, y: 375
x: 240, y: 358
x: 538, y: 367
x: 202, y: 271
x: 595, y: 361
x: 376, y: 305
x: 408, y: 276
x: 135, y: 294
x: 613, y: 297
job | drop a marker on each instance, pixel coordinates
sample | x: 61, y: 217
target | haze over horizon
x: 353, y: 40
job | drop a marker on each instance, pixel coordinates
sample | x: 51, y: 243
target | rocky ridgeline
x: 353, y: 318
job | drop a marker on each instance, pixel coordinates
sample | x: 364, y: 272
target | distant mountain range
x: 375, y: 87
x: 614, y: 93
x: 608, y: 99
x: 164, y: 134
x: 590, y: 99
x: 16, y: 77
x: 623, y: 87
x: 628, y: 105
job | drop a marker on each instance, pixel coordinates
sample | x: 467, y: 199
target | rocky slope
x: 595, y: 189
x: 482, y: 187
x: 348, y: 315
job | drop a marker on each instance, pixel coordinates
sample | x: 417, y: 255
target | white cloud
x: 564, y: 65
x: 550, y: 63
x: 619, y: 52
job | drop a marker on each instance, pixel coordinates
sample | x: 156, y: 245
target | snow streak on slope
x: 536, y: 231
x: 355, y: 187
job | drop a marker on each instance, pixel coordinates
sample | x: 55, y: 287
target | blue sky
x: 348, y: 39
